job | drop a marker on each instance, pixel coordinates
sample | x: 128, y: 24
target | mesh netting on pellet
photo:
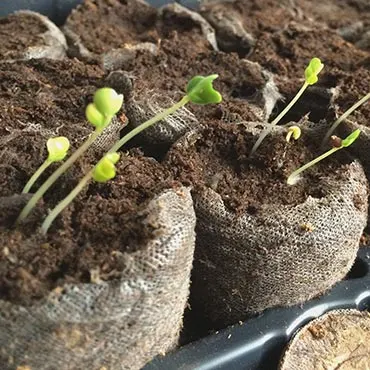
x: 120, y: 324
x: 246, y: 264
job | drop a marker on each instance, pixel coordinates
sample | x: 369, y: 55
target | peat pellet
x: 30, y: 35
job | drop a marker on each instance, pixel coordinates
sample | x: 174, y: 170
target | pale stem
x: 35, y: 176
x: 65, y: 202
x: 294, y: 176
x: 68, y: 199
x: 56, y: 174
x: 266, y: 131
x: 344, y: 116
x: 149, y: 123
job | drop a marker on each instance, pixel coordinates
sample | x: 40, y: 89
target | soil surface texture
x: 262, y: 43
x: 19, y: 32
x: 44, y: 98
x: 219, y: 159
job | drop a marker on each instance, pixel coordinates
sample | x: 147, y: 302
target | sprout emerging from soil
x: 57, y: 148
x: 338, y: 144
x: 313, y: 69
x: 104, y: 171
x: 106, y: 104
x: 344, y: 116
x: 199, y: 90
x: 293, y: 131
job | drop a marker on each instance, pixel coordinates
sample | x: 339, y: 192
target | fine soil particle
x: 219, y: 159
x: 19, y: 32
x: 44, y: 98
x: 338, y: 340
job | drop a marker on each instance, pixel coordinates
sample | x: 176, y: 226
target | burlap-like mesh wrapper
x: 246, y: 264
x: 339, y: 339
x: 111, y: 325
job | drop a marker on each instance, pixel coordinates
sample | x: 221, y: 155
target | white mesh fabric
x: 120, y: 324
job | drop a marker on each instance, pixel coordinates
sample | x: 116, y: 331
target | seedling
x: 313, y: 69
x: 344, y: 116
x: 199, y: 90
x: 293, y: 131
x: 106, y: 104
x: 338, y: 144
x: 57, y: 148
x: 104, y: 171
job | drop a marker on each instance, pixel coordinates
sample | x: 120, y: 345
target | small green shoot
x: 103, y: 171
x: 313, y: 69
x: 199, y: 90
x: 105, y: 105
x: 344, y: 116
x: 57, y: 148
x: 349, y: 140
x: 293, y: 131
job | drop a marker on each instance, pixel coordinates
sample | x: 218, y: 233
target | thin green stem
x: 149, y: 123
x: 65, y: 202
x: 292, y: 179
x: 56, y: 174
x: 68, y: 199
x: 35, y: 176
x: 266, y: 131
x: 345, y: 116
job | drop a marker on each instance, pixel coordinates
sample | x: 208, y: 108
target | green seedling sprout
x: 199, y: 90
x: 57, y: 148
x: 106, y: 103
x: 104, y: 171
x: 344, y: 116
x: 349, y: 140
x: 293, y: 131
x: 313, y: 69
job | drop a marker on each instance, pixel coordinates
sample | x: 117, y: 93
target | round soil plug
x: 29, y: 35
x: 261, y: 242
x: 337, y: 340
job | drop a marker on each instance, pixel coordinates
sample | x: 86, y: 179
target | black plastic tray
x: 259, y: 342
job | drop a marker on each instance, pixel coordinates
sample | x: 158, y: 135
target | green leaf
x: 94, y: 116
x: 313, y: 69
x: 351, y: 138
x: 107, y: 101
x: 105, y: 169
x: 200, y: 90
x: 57, y: 148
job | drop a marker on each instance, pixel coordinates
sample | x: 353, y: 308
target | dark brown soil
x: 104, y: 221
x: 104, y: 25
x: 240, y: 82
x: 43, y: 98
x: 354, y: 86
x: 219, y: 159
x: 17, y: 33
